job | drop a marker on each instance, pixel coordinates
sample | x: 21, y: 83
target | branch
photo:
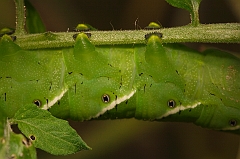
x: 20, y: 17
x: 209, y: 33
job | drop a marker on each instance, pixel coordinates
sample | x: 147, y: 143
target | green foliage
x: 47, y: 132
x: 190, y: 5
x: 34, y: 23
x: 14, y: 145
x: 19, y: 147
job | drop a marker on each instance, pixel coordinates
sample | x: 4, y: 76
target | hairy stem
x: 210, y: 33
x: 194, y: 14
x: 20, y: 17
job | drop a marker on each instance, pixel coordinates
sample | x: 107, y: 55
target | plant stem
x: 194, y: 14
x: 209, y: 33
x: 20, y: 17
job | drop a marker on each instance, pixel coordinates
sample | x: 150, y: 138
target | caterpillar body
x: 149, y: 81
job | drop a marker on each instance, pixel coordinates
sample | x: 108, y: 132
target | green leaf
x: 47, y: 132
x: 3, y: 124
x: 20, y: 148
x: 190, y: 5
x: 34, y: 23
x: 14, y: 145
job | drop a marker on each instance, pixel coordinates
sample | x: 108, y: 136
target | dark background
x: 131, y: 138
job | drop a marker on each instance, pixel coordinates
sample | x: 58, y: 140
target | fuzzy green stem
x: 194, y: 14
x: 208, y: 33
x: 20, y: 17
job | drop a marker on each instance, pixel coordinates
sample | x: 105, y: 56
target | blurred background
x: 131, y: 138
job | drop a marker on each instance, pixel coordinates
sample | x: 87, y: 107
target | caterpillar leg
x: 89, y: 62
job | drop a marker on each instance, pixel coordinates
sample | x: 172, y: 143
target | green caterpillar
x: 149, y: 82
